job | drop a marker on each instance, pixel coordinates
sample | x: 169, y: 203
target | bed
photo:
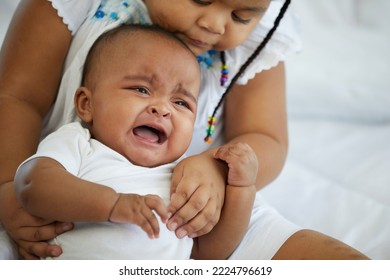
x: 337, y: 175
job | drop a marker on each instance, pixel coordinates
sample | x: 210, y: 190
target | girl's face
x: 143, y: 99
x: 208, y: 24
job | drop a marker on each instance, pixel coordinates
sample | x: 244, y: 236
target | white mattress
x: 337, y: 175
x: 336, y: 180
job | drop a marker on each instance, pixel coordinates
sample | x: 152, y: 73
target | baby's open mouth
x: 150, y: 134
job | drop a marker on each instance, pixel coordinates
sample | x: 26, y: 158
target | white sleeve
x: 286, y: 40
x: 68, y: 145
x: 73, y: 12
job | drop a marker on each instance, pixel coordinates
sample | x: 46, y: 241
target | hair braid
x: 257, y: 51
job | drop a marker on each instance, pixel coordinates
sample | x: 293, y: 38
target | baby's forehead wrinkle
x: 180, y: 88
x: 149, y: 78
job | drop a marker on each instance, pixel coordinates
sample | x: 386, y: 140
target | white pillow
x: 343, y: 71
x: 7, y: 8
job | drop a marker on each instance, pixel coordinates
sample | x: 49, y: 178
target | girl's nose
x: 159, y: 110
x: 212, y: 23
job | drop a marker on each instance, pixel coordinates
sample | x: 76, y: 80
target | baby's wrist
x: 241, y: 197
x: 244, y: 189
x: 116, y: 201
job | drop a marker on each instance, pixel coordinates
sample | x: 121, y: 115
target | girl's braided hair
x: 257, y: 51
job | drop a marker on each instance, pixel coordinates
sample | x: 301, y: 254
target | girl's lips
x: 198, y: 44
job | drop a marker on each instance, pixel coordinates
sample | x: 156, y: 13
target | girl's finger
x: 45, y: 232
x: 184, y: 190
x: 36, y: 250
x: 203, y: 222
x: 193, y: 207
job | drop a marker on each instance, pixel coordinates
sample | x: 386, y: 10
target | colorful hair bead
x: 210, y: 129
x: 206, y: 60
x: 224, y: 74
x: 224, y: 70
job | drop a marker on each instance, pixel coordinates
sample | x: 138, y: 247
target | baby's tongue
x: 146, y: 133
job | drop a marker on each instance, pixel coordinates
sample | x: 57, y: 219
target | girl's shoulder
x: 285, y: 41
x: 74, y: 12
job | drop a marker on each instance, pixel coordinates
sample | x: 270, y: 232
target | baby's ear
x: 83, y: 104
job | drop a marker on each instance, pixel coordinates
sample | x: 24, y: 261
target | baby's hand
x: 242, y: 163
x: 137, y: 209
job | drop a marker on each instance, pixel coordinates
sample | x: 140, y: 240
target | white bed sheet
x: 336, y: 178
x: 337, y: 175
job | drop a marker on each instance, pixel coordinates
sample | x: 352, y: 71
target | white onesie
x: 87, y: 158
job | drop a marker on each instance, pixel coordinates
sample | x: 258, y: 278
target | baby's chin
x: 151, y: 161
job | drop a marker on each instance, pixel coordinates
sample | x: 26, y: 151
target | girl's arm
x: 255, y: 114
x: 237, y: 209
x: 47, y: 190
x: 31, y: 62
x: 228, y: 232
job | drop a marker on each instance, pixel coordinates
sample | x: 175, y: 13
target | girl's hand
x: 242, y: 162
x: 197, y: 195
x: 137, y: 209
x: 29, y: 233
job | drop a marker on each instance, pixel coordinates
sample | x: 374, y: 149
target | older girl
x: 40, y: 67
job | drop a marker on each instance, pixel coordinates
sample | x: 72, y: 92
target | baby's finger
x: 221, y: 153
x: 231, y: 151
x: 149, y: 223
x: 228, y: 153
x: 157, y: 204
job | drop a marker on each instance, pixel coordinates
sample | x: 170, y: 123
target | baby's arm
x: 255, y: 114
x: 239, y: 198
x: 47, y: 190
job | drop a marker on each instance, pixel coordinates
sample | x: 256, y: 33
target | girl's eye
x: 202, y: 2
x: 239, y: 19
